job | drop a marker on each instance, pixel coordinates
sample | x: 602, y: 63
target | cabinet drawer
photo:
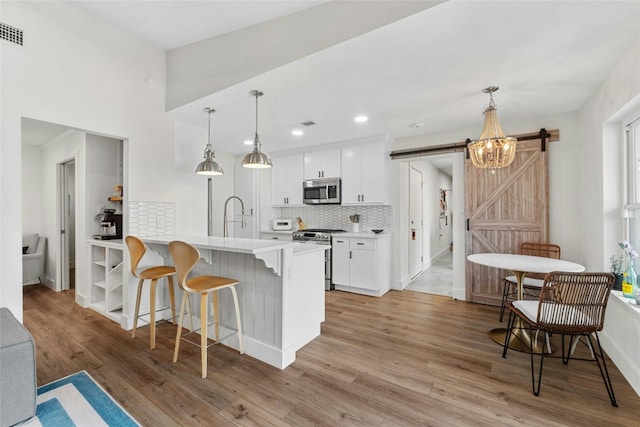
x: 363, y: 244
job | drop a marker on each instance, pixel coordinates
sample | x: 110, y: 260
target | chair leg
x: 510, y: 324
x: 172, y: 299
x: 152, y: 314
x: 505, y: 288
x: 135, y: 316
x: 536, y: 391
x: 185, y: 298
x: 605, y: 373
x: 216, y: 313
x: 203, y: 332
x: 238, y: 321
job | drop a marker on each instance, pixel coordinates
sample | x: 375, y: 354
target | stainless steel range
x: 319, y: 236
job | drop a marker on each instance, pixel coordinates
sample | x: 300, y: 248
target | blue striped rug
x: 77, y: 400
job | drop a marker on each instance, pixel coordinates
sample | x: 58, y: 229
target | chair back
x: 574, y: 303
x: 185, y: 257
x: 137, y: 249
x: 547, y: 250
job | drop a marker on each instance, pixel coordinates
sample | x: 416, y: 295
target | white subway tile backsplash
x: 331, y: 216
x: 152, y: 218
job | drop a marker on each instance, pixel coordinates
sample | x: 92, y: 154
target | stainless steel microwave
x: 321, y: 191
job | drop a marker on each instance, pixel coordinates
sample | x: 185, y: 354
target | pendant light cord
x: 257, y: 94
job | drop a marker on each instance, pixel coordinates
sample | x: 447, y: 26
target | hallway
x: 437, y: 279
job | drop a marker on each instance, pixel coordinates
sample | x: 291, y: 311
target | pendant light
x: 493, y: 150
x: 256, y: 159
x: 209, y: 166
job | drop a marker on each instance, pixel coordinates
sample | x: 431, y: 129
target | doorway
x: 67, y: 222
x: 416, y: 256
x: 431, y: 208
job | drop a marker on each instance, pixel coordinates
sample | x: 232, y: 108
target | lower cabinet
x: 107, y: 278
x: 361, y: 264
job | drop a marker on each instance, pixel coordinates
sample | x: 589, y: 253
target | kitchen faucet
x: 225, y: 230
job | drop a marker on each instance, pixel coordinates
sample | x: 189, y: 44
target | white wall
x: 80, y: 72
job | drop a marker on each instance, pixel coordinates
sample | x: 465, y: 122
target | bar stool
x: 185, y: 258
x: 137, y: 249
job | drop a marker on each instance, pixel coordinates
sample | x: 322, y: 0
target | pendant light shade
x: 209, y: 166
x: 256, y: 159
x: 493, y: 150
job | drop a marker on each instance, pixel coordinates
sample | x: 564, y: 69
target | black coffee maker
x: 111, y: 224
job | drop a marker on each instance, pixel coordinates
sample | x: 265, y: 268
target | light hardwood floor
x: 401, y: 360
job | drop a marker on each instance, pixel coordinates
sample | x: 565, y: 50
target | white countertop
x: 227, y: 244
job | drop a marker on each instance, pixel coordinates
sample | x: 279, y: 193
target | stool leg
x: 216, y: 314
x: 203, y: 332
x: 235, y: 303
x: 152, y: 314
x: 135, y: 317
x: 172, y: 298
x: 185, y: 298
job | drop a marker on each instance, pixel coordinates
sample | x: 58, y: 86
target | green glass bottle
x: 630, y: 281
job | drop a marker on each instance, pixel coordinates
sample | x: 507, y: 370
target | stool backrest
x: 137, y: 249
x: 185, y: 258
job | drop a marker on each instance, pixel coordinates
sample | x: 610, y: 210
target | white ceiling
x: 430, y: 68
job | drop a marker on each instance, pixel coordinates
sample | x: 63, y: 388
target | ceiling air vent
x: 308, y: 123
x: 11, y: 34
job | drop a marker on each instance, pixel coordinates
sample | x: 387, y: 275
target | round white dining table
x: 520, y: 265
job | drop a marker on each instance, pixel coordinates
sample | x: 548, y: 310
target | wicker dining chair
x: 532, y: 281
x: 570, y: 304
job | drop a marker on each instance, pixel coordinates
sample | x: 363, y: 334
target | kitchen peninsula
x: 280, y: 290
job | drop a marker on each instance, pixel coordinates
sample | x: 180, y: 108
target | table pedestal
x: 519, y: 339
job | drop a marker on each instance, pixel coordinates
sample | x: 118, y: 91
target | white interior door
x: 415, y: 222
x: 66, y: 221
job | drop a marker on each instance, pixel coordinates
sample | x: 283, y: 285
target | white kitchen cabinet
x: 361, y: 263
x: 286, y: 181
x: 322, y: 164
x: 107, y: 278
x: 364, y: 174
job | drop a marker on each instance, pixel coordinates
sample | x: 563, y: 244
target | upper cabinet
x: 286, y: 181
x: 322, y: 164
x: 365, y: 174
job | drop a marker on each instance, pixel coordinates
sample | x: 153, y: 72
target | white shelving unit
x: 107, y: 278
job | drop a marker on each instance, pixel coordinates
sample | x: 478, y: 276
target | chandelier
x: 493, y: 150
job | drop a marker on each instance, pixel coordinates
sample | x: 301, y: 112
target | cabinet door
x: 294, y: 179
x: 279, y: 185
x: 313, y: 165
x: 374, y: 187
x: 351, y: 174
x: 322, y: 164
x: 363, y: 269
x: 331, y: 163
x: 286, y: 181
x: 340, y: 261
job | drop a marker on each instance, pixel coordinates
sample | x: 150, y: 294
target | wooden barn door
x: 503, y: 210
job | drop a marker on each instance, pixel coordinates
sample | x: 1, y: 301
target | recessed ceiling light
x: 361, y: 119
x: 297, y: 132
x: 248, y: 142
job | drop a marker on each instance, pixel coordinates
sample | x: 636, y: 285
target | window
x: 632, y: 204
